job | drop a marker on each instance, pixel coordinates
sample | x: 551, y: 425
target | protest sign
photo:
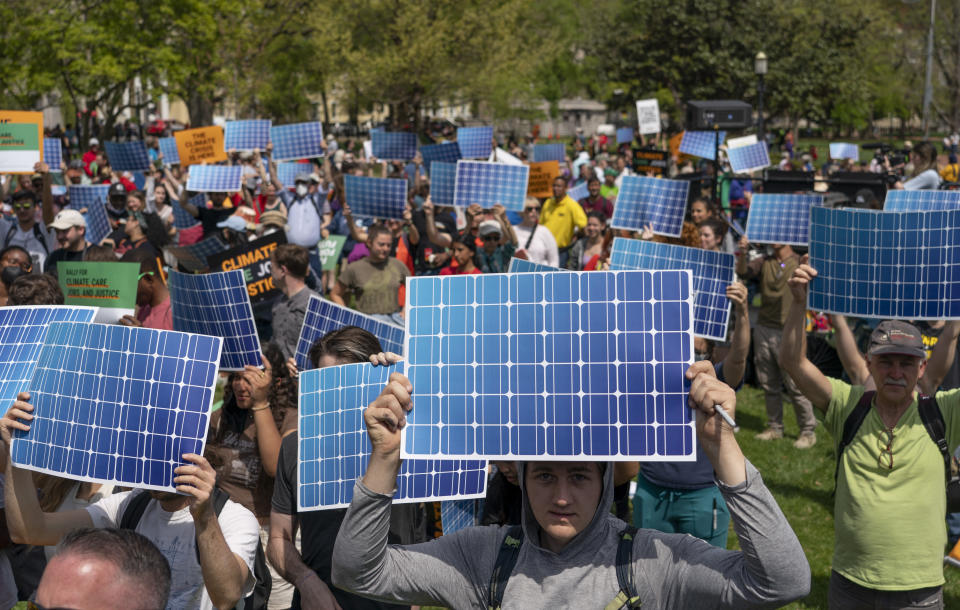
x: 541, y: 180
x: 200, y: 144
x: 329, y: 250
x: 110, y: 286
x: 648, y: 116
x: 650, y: 160
x: 254, y: 259
x: 21, y: 141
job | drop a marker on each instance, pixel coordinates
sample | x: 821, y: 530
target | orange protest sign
x: 542, y: 175
x: 200, y: 144
x: 21, y: 141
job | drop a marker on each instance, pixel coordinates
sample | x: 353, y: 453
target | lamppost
x: 760, y: 69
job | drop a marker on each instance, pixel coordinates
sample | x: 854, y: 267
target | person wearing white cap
x: 71, y: 231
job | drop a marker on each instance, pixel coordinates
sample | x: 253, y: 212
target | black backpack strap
x: 850, y: 427
x: 627, y: 597
x: 506, y: 561
x: 38, y: 233
x: 134, y: 510
x: 10, y: 233
x: 932, y: 420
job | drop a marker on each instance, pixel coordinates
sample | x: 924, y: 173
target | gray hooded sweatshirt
x: 670, y: 570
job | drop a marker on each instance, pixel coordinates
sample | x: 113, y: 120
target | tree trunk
x: 200, y: 109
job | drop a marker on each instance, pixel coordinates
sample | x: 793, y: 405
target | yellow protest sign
x: 200, y: 144
x: 542, y: 175
x: 21, y: 141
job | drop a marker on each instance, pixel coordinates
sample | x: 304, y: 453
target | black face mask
x: 9, y: 274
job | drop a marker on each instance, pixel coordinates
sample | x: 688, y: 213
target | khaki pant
x: 766, y: 349
x: 281, y: 591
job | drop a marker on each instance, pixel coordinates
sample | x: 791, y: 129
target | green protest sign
x: 329, y: 251
x: 110, y: 286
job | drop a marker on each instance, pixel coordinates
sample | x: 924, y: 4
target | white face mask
x: 301, y: 190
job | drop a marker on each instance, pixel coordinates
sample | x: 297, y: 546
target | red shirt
x: 458, y: 271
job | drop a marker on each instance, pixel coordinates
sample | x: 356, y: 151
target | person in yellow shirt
x: 563, y: 217
x: 951, y: 171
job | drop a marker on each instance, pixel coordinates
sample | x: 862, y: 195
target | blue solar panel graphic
x: 53, y: 154
x: 217, y: 304
x: 214, y: 178
x: 712, y: 273
x: 549, y: 152
x: 749, y: 158
x: 333, y: 447
x: 903, y: 265
x: 118, y: 404
x: 325, y: 316
x: 520, y: 265
x: 22, y: 330
x: 656, y: 201
x: 475, y: 142
x: 394, y: 145
x: 168, y: 147
x: 182, y: 219
x: 252, y: 134
x: 207, y: 247
x: 287, y: 172
x: 447, y: 152
x: 456, y: 515
x: 443, y: 182
x: 491, y: 183
x: 297, y: 141
x: 541, y: 366
x: 844, y: 150
x: 624, y: 135
x: 375, y: 197
x: 578, y: 192
x: 83, y: 196
x: 921, y: 201
x: 701, y: 143
x: 781, y: 219
x: 127, y: 156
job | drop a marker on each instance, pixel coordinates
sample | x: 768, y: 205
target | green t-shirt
x: 889, y: 524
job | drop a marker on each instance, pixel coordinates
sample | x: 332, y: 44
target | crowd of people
x: 233, y: 536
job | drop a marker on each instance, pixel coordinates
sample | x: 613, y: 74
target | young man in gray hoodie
x: 568, y: 555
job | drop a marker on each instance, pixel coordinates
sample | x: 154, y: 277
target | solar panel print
x: 843, y: 150
x: 456, y: 515
x: 749, y: 158
x: 447, y: 152
x: 375, y: 197
x: 393, y: 145
x: 215, y: 178
x: 491, y: 183
x: 475, y: 142
x: 127, y: 156
x: 921, y: 201
x: 168, y: 148
x: 22, y: 330
x: 903, y: 265
x: 334, y: 449
x: 550, y: 152
x: 217, y: 304
x: 520, y: 265
x: 53, y: 154
x: 83, y: 196
x: 781, y: 219
x: 712, y: 273
x: 659, y: 202
x: 443, y: 182
x: 182, y: 219
x: 325, y: 316
x: 578, y: 192
x: 624, y: 135
x: 117, y: 404
x: 287, y: 172
x: 701, y: 143
x: 297, y: 141
x: 251, y: 134
x: 546, y: 366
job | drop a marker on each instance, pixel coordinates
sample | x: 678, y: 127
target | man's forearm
x: 288, y: 563
x: 381, y: 475
x: 793, y: 345
x: 222, y: 575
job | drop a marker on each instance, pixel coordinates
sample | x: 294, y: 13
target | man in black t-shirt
x: 71, y: 231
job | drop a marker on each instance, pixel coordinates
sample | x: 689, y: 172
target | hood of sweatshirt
x: 591, y: 536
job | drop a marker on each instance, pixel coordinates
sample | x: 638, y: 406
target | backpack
x: 932, y: 420
x: 261, y: 590
x: 627, y: 596
x: 37, y: 233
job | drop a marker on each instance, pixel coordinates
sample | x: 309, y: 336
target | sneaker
x: 953, y: 558
x: 769, y: 434
x: 806, y: 440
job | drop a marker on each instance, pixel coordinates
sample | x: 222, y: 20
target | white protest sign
x: 648, y: 116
